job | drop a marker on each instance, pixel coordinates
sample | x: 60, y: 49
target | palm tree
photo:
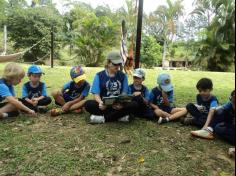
x: 217, y: 50
x: 167, y: 18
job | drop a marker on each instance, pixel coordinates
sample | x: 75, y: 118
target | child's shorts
x: 167, y: 109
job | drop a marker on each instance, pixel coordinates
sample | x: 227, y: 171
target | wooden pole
x: 5, y: 40
x: 52, y: 46
x: 139, y: 34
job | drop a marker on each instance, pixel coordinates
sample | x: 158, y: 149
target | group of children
x: 156, y: 104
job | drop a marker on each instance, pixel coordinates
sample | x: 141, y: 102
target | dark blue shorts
x: 167, y: 109
x: 146, y: 113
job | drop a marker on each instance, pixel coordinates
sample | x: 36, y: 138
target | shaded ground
x: 68, y: 146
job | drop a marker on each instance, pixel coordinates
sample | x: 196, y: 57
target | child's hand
x: 35, y: 102
x: 33, y: 113
x: 117, y: 106
x: 66, y: 107
x: 137, y: 94
x: 164, y: 93
x: 102, y: 106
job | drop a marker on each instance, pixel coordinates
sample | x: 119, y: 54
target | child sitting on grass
x: 222, y: 124
x: 72, y: 96
x: 141, y: 94
x: 202, y: 112
x: 161, y: 100
x: 10, y: 105
x: 34, y: 92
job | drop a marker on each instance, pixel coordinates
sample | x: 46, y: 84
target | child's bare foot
x: 56, y: 112
x: 231, y: 152
x: 78, y: 111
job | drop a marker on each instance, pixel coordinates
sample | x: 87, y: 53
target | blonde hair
x: 13, y: 71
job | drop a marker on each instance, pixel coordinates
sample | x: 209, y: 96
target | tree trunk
x: 164, y: 55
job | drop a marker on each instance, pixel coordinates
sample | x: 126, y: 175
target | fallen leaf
x: 100, y: 155
x: 119, y: 169
x: 76, y: 149
x: 224, y: 174
x: 6, y: 149
x: 141, y: 160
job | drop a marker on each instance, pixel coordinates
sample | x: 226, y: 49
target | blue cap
x: 139, y: 73
x: 34, y: 69
x: 77, y: 74
x: 164, y: 81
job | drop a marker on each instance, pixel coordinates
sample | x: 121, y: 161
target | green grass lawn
x: 68, y: 146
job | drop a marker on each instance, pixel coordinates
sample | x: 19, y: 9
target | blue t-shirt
x: 206, y: 105
x: 157, y: 98
x: 34, y: 92
x: 107, y: 86
x: 144, y: 91
x: 6, y: 90
x: 74, y: 91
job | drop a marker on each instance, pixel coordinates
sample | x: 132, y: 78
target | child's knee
x: 190, y: 106
x: 56, y: 93
x: 158, y: 112
x: 219, y: 129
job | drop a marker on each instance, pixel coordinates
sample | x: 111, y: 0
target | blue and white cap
x: 164, y: 81
x: 140, y: 73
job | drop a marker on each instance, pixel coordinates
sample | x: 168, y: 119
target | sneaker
x: 231, y: 152
x: 204, y: 133
x: 187, y: 121
x: 56, y: 112
x: 162, y: 120
x: 124, y: 119
x: 94, y: 119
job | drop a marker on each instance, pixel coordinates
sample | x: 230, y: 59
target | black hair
x: 205, y: 83
x: 29, y: 74
x: 233, y: 93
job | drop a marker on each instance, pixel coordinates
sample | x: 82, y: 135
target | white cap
x: 139, y: 73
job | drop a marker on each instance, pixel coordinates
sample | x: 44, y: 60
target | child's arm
x: 19, y: 105
x: 44, y: 93
x: 165, y: 99
x: 154, y: 106
x: 29, y: 101
x: 209, y: 118
x: 25, y: 95
x: 211, y: 113
x: 68, y: 105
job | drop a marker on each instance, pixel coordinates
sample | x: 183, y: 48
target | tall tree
x: 94, y: 35
x: 217, y: 50
x: 163, y: 23
x: 27, y: 26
